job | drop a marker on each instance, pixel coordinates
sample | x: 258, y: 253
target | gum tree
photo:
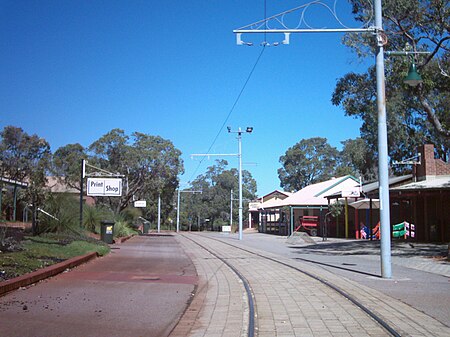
x: 415, y: 114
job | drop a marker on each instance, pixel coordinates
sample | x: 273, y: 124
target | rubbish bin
x: 107, y: 231
x: 146, y: 227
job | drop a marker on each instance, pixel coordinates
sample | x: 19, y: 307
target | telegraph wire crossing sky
x: 73, y: 71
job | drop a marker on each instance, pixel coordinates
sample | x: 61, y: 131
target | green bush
x: 130, y: 214
x: 121, y: 229
x: 65, y: 208
x: 93, y: 216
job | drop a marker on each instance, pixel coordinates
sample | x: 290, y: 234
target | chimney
x: 430, y: 167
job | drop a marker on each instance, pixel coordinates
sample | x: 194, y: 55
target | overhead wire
x: 235, y: 101
x: 230, y: 112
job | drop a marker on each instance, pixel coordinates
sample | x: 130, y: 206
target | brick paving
x: 289, y: 303
x: 219, y: 307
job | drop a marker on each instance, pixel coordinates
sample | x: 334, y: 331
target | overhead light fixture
x: 413, y: 78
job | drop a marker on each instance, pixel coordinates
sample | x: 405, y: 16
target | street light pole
x: 261, y: 28
x: 231, y: 209
x: 240, y: 183
x: 383, y: 171
x: 239, y: 133
x: 159, y: 212
x: 178, y: 211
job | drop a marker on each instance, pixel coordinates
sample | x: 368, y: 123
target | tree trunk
x: 433, y: 119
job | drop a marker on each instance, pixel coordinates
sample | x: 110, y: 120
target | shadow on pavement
x: 339, y: 267
x: 367, y: 247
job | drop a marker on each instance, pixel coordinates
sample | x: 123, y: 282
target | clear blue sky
x: 70, y: 71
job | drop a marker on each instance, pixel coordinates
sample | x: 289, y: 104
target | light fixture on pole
x: 249, y: 129
x: 413, y: 78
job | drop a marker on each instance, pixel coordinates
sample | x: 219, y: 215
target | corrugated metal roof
x: 315, y: 194
x: 438, y: 183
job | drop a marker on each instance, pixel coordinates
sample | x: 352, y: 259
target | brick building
x: 425, y: 201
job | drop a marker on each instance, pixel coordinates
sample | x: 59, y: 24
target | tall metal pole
x: 15, y: 202
x: 231, y: 209
x: 82, y: 173
x: 383, y: 172
x: 240, y: 182
x: 159, y: 213
x: 178, y: 211
x: 381, y: 106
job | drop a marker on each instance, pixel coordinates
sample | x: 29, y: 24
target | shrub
x: 121, y: 229
x: 64, y: 214
x: 93, y: 216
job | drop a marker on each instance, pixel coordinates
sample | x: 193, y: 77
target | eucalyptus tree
x: 66, y: 164
x: 308, y: 162
x: 25, y: 158
x: 214, y: 201
x: 415, y: 114
x: 355, y: 159
x: 149, y: 164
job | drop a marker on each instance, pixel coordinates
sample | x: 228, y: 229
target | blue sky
x: 73, y: 70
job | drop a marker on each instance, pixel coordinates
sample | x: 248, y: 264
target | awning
x: 365, y: 204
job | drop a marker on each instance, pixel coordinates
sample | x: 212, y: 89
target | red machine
x: 309, y: 223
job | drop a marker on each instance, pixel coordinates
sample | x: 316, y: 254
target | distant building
x: 55, y: 185
x: 256, y: 208
x: 282, y: 215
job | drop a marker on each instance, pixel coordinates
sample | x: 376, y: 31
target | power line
x: 231, y: 111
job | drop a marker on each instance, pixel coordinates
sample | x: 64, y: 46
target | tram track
x: 246, y: 284
x: 232, y: 263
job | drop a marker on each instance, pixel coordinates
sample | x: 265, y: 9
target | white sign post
x: 104, y: 187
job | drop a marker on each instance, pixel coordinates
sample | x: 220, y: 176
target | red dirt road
x: 141, y: 289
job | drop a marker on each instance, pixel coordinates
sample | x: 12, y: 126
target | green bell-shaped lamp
x: 413, y: 78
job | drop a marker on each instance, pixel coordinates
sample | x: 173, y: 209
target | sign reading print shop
x: 104, y: 187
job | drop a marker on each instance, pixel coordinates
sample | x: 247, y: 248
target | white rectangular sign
x: 104, y: 187
x: 140, y: 203
x: 226, y: 229
x: 354, y: 193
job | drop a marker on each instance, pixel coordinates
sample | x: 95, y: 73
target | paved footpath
x: 419, y: 277
x: 289, y: 303
x: 146, y: 287
x: 141, y: 289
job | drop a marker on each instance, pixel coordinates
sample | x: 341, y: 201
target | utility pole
x: 261, y: 28
x: 249, y: 129
x: 239, y: 133
x: 159, y: 212
x: 383, y: 169
x: 82, y: 174
x: 231, y: 209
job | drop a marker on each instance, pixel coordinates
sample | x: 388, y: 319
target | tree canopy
x: 149, y: 164
x: 25, y: 158
x: 308, y: 162
x: 214, y: 201
x: 415, y: 115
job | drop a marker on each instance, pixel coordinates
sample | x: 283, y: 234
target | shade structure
x: 365, y: 204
